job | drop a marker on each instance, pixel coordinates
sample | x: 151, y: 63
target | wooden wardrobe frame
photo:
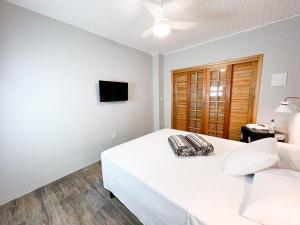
x: 230, y: 62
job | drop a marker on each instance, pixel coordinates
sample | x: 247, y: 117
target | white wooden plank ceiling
x: 124, y: 20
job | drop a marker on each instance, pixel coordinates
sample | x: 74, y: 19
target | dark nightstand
x: 249, y: 135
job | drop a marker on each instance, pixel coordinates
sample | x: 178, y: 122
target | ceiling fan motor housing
x: 161, y: 27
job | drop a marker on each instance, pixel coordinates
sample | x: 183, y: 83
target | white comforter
x: 163, y: 189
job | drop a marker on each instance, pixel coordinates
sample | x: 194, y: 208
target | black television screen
x: 113, y: 91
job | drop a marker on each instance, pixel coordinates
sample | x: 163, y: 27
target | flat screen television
x: 111, y: 91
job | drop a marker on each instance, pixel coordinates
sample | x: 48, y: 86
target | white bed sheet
x: 163, y: 189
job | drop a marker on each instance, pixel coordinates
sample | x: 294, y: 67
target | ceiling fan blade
x: 154, y: 9
x: 180, y: 25
x: 147, y: 33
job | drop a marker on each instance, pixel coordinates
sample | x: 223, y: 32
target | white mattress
x: 163, y: 189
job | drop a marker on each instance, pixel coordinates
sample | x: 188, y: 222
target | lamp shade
x: 294, y: 129
x: 284, y: 108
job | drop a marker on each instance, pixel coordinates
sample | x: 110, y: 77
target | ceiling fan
x: 162, y: 26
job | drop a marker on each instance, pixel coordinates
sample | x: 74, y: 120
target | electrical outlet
x: 113, y: 135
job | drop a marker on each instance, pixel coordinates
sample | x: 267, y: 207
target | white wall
x: 158, y: 91
x: 155, y: 75
x: 298, y: 78
x: 51, y: 121
x: 278, y: 42
x: 161, y: 92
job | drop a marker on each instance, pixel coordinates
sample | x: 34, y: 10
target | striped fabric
x: 181, y: 146
x: 202, y: 147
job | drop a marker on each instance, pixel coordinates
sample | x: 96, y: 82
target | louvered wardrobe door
x: 244, y: 76
x: 180, y: 101
x: 197, y: 101
x: 218, y: 99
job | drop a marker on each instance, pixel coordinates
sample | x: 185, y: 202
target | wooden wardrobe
x: 216, y: 99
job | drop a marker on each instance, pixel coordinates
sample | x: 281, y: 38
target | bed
x: 161, y: 188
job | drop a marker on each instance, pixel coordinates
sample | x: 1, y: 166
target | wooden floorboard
x: 77, y: 199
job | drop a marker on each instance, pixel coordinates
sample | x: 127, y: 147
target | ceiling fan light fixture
x: 161, y: 28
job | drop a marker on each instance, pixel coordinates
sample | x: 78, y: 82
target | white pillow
x: 289, y: 156
x: 251, y: 158
x: 275, y: 198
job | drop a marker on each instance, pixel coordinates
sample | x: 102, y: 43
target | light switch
x: 279, y: 79
x: 113, y: 135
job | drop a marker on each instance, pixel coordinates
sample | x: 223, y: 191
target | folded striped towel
x: 202, y: 147
x: 181, y: 146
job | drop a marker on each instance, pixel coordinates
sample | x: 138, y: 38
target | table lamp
x: 294, y: 125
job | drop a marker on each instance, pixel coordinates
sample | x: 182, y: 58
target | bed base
x: 111, y: 195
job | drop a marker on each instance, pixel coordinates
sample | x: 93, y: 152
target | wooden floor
x: 78, y: 198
